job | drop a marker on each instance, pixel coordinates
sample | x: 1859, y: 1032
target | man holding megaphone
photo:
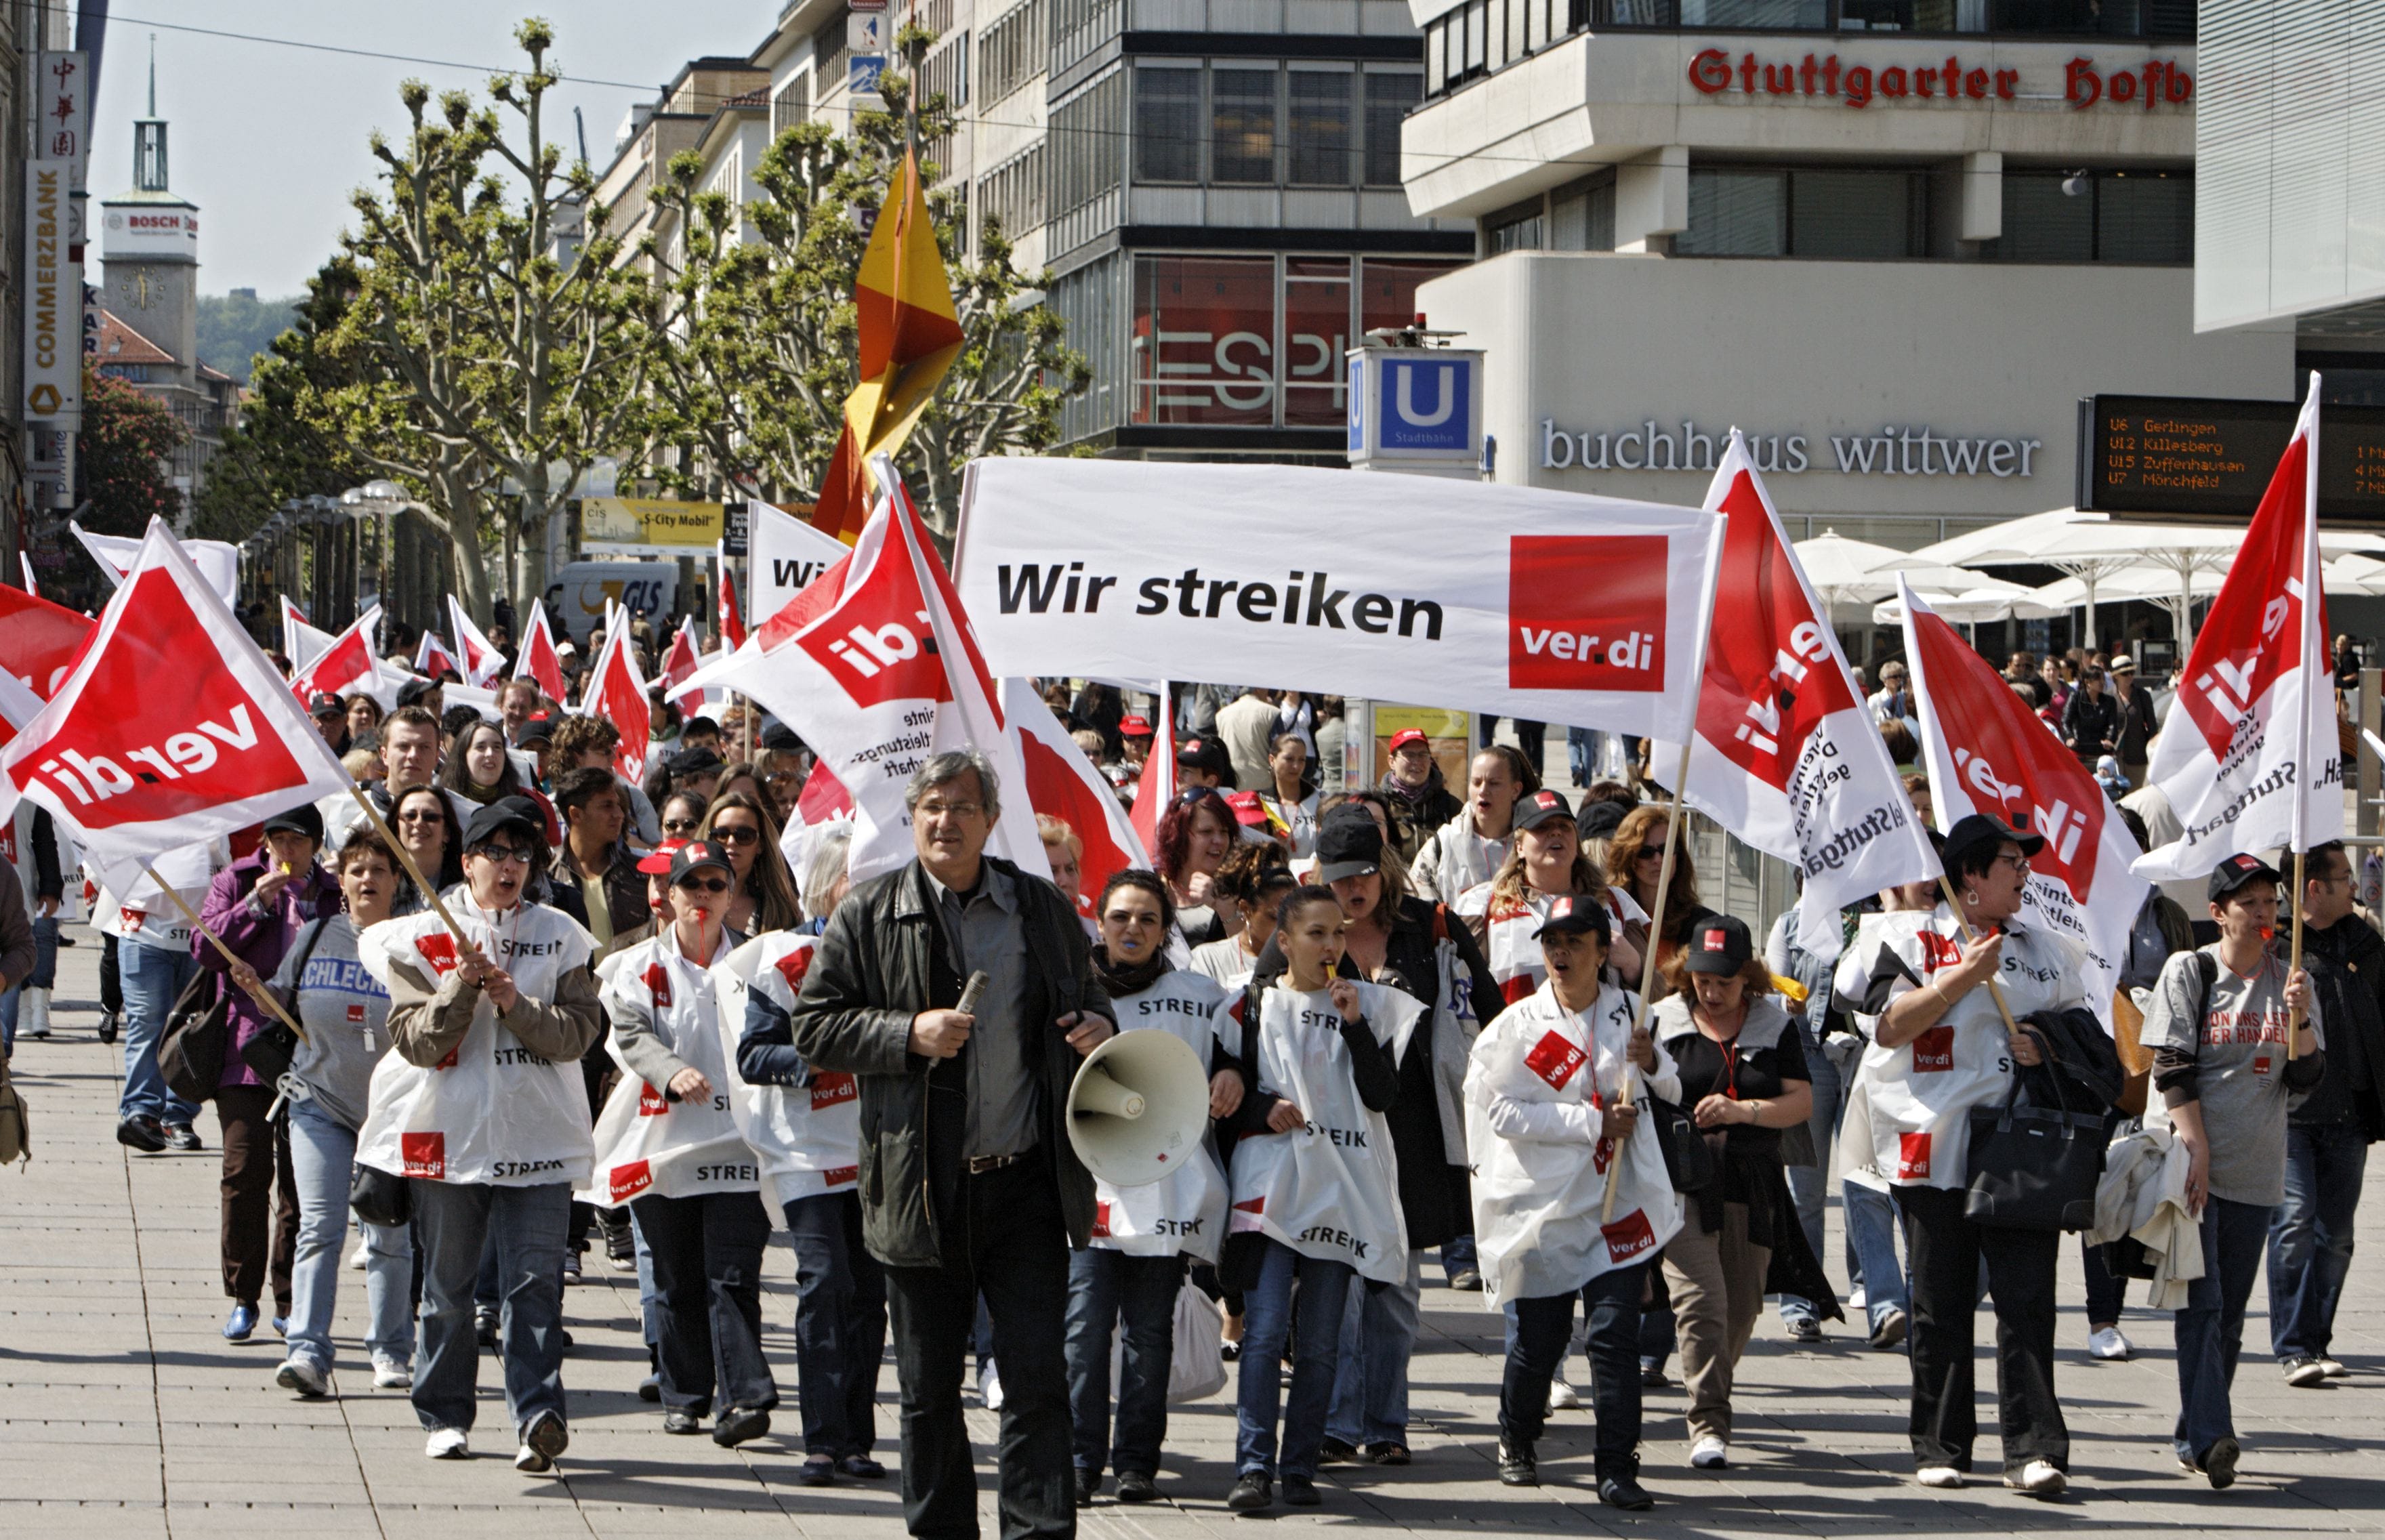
x: 969, y: 1185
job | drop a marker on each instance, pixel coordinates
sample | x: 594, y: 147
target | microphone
x: 973, y: 992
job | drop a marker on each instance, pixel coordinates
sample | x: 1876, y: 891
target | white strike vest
x: 646, y: 1142
x: 1184, y: 1211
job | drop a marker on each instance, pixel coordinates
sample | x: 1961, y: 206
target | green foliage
x: 125, y: 441
x: 233, y: 328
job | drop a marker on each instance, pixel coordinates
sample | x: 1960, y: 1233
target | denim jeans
x: 322, y: 1158
x: 154, y: 977
x: 2310, y: 1240
x: 1809, y: 1186
x: 839, y: 1324
x: 1107, y: 1290
x: 2211, y: 1326
x: 1870, y: 1217
x: 450, y: 1220
x: 44, y: 976
x: 1268, y: 1309
x: 1538, y: 1331
x: 1458, y: 1257
x: 707, y: 1262
x: 1371, y: 1385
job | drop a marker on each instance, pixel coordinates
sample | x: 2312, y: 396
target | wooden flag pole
x: 1648, y: 963
x: 1946, y: 886
x: 229, y: 955
x: 2294, y: 955
x: 430, y: 889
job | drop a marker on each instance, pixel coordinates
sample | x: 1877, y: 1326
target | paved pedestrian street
x: 123, y: 1412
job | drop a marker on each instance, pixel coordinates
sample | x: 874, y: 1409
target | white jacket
x: 2144, y: 1194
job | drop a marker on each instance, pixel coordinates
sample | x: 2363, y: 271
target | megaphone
x: 1137, y: 1107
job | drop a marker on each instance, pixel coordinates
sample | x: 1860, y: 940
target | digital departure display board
x: 2169, y: 457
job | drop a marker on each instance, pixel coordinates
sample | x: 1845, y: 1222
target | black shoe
x: 1467, y: 1281
x: 1231, y: 1352
x: 571, y: 1267
x: 484, y: 1328
x: 1133, y: 1486
x: 183, y: 1136
x: 145, y: 1135
x: 738, y: 1424
x: 107, y: 1025
x: 1300, y: 1491
x: 1652, y: 1376
x: 682, y: 1419
x: 1087, y: 1484
x: 861, y: 1468
x: 1517, y: 1466
x: 818, y: 1471
x: 2219, y: 1463
x: 1252, y: 1492
x: 1620, y: 1487
x: 1334, y: 1452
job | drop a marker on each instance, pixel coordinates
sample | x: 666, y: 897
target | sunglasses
x: 736, y: 834
x: 421, y: 815
x: 714, y: 885
x: 501, y: 852
x: 681, y: 825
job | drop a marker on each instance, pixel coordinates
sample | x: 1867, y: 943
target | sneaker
x: 1621, y: 1488
x: 183, y: 1136
x: 241, y: 1324
x: 818, y: 1471
x: 571, y: 1267
x: 282, y: 1324
x: 863, y: 1467
x: 683, y: 1421
x: 2335, y: 1367
x: 1517, y: 1467
x: 108, y: 1022
x: 1467, y: 1281
x: 358, y: 1255
x: 1252, y: 1492
x: 144, y: 1133
x: 303, y: 1377
x: 2304, y: 1373
x: 1803, y: 1328
x: 2106, y: 1344
x: 1333, y: 1451
x: 392, y: 1374
x: 1385, y: 1453
x: 989, y: 1386
x: 1229, y: 1352
x: 446, y: 1444
x: 650, y: 1389
x: 1300, y: 1491
x: 1087, y: 1484
x: 542, y: 1441
x: 1939, y: 1478
x: 2219, y: 1463
x: 1709, y: 1453
x: 1856, y: 1301
x: 1133, y: 1486
x: 739, y: 1425
x: 1562, y: 1397
x: 2039, y: 1478
x: 1890, y: 1332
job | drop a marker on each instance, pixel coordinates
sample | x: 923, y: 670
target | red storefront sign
x: 1715, y: 74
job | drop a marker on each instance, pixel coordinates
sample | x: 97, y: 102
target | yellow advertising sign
x: 1451, y: 733
x: 649, y: 526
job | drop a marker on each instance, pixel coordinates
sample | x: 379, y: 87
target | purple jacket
x: 260, y: 940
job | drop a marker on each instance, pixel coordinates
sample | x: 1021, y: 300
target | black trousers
x: 707, y: 1260
x: 1011, y: 1247
x: 1944, y: 1251
x: 1536, y: 1345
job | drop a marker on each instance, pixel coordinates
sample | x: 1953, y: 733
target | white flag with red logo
x: 731, y: 620
x: 682, y: 661
x: 294, y: 629
x: 1062, y: 784
x: 1157, y: 787
x: 874, y: 667
x: 173, y: 729
x: 1989, y: 753
x: 483, y: 661
x: 539, y: 661
x: 2248, y: 756
x: 40, y: 641
x: 431, y: 658
x: 616, y: 691
x: 1788, y: 756
x: 786, y: 555
x: 115, y: 554
x: 346, y: 666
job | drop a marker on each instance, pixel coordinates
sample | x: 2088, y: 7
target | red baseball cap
x: 1407, y: 735
x: 1246, y: 808
x: 1133, y: 727
x: 657, y: 862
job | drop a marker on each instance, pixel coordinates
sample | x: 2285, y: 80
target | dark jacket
x: 2346, y: 963
x: 1417, y: 815
x: 625, y: 892
x: 17, y: 952
x: 884, y: 958
x: 2138, y: 723
x: 2087, y: 720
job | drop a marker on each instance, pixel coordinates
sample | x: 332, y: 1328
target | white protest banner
x: 218, y: 562
x: 2248, y: 756
x: 172, y: 728
x: 1789, y: 759
x: 1535, y: 604
x: 1988, y: 753
x: 784, y: 556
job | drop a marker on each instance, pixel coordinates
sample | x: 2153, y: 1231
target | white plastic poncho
x: 647, y: 1144
x: 1511, y: 932
x: 1184, y: 1211
x: 492, y: 1111
x: 1535, y: 1096
x: 1332, y: 1189
x: 807, y: 1137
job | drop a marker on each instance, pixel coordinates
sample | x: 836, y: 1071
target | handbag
x: 191, y: 1052
x: 272, y: 1048
x: 16, y: 1122
x: 1689, y: 1159
x: 2034, y: 1168
x: 379, y: 1197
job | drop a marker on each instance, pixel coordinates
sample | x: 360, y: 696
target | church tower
x: 149, y: 251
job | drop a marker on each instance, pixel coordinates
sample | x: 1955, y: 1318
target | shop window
x: 1204, y: 340
x: 2140, y: 217
x: 1316, y: 335
x: 2144, y: 219
x: 1167, y: 123
x: 1736, y: 213
x: 1389, y: 97
x: 1317, y: 146
x: 1757, y: 15
x: 1582, y: 218
x: 1387, y: 295
x: 2171, y: 18
x: 1242, y: 125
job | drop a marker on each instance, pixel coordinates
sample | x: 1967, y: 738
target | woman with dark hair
x: 1635, y: 859
x: 681, y: 815
x: 1290, y: 798
x: 364, y: 721
x: 1941, y: 1048
x: 1544, y: 864
x: 424, y: 822
x: 1194, y: 838
x: 1127, y: 1276
x: 1255, y: 877
x: 477, y: 766
x: 1744, y: 1075
x: 764, y: 899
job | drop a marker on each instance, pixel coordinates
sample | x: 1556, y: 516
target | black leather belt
x: 980, y: 1164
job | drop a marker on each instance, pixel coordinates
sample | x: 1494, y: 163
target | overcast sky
x: 269, y: 140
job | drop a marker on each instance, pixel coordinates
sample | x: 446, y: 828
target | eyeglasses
x: 715, y: 885
x: 2020, y: 863
x: 736, y: 834
x: 951, y: 810
x: 501, y: 852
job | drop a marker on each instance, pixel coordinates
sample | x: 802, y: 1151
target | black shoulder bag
x: 271, y: 1052
x: 2034, y: 1168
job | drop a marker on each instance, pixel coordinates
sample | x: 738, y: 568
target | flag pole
x: 229, y: 955
x: 1655, y: 934
x: 429, y: 888
x: 1996, y: 991
x: 2314, y: 657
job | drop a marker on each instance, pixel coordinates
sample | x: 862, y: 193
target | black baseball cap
x: 1348, y: 844
x: 1571, y: 916
x: 695, y: 762
x: 305, y: 819
x: 505, y: 816
x: 413, y: 690
x: 2234, y: 873
x: 778, y: 738
x: 1975, y: 830
x: 1538, y: 808
x: 695, y: 855
x: 1205, y: 754
x: 1599, y: 819
x: 327, y: 705
x: 1720, y: 945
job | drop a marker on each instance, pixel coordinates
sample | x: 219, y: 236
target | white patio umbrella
x: 1856, y: 571
x: 2355, y: 573
x: 1988, y: 599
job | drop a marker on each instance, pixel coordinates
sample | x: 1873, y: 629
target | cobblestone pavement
x: 123, y: 1412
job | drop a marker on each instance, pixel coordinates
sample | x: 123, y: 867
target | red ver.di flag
x: 346, y: 666
x: 615, y: 693
x: 483, y: 661
x: 874, y: 666
x: 2249, y: 758
x: 1062, y: 784
x: 1988, y: 753
x: 40, y: 641
x: 171, y: 729
x: 539, y: 661
x: 1788, y: 758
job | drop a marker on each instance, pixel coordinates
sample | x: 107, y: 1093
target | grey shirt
x: 345, y: 1013
x: 987, y: 934
x: 2236, y: 1041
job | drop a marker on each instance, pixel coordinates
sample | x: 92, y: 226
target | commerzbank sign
x: 1897, y: 449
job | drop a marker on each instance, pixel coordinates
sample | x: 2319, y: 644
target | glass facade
x: 1241, y: 124
x: 2141, y: 217
x: 1821, y: 212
